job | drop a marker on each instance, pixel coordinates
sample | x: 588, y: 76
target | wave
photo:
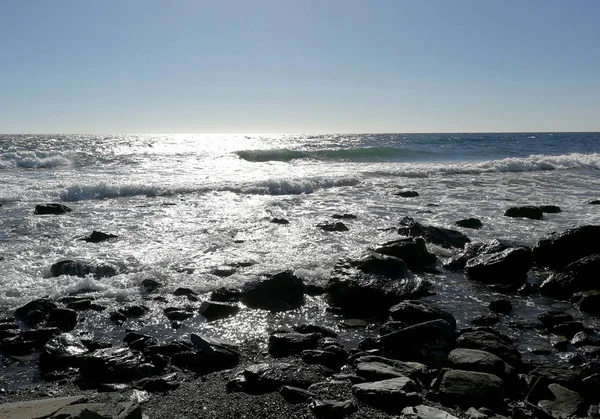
x: 33, y: 160
x: 538, y: 162
x: 268, y: 187
x: 365, y: 154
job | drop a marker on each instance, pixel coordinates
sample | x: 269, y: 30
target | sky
x: 299, y: 66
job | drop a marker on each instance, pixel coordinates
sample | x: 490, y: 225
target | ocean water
x: 185, y: 206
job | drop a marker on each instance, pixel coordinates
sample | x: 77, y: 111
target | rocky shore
x: 412, y: 361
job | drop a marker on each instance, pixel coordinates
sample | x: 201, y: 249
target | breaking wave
x: 33, y: 160
x: 366, y: 154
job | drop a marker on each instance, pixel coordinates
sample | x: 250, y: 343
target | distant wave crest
x: 33, y: 160
x: 365, y: 154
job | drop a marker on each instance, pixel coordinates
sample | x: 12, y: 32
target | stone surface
x: 414, y: 311
x: 60, y: 352
x: 411, y: 250
x: 407, y: 194
x: 36, y: 408
x: 441, y: 236
x: 285, y: 344
x: 473, y: 223
x: 566, y: 403
x: 558, y: 250
x: 492, y: 343
x: 478, y: 361
x: 82, y: 268
x: 51, y: 209
x: 98, y: 236
x: 338, y: 226
x: 390, y: 395
x: 468, y: 388
x: 508, y: 267
x: 268, y: 377
x: 328, y: 409
x: 212, y: 310
x: 280, y: 292
x: 527, y: 211
x: 425, y: 412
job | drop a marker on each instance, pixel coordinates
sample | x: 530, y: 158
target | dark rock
x: 411, y: 250
x: 565, y: 403
x: 279, y: 221
x: 594, y: 202
x: 478, y: 361
x: 80, y: 304
x: 63, y: 318
x: 566, y: 376
x: 469, y: 223
x: 568, y: 329
x: 212, y: 310
x: 98, y: 236
x: 314, y: 289
x: 392, y: 395
x: 413, y: 370
x: 344, y: 216
x: 139, y: 341
x: 134, y: 310
x: 161, y: 384
x: 177, y: 313
x: 558, y: 250
x: 469, y: 388
x: 589, y: 388
x: 35, y: 312
x: 407, y: 194
x: 82, y: 269
x: 114, y: 365
x: 285, y: 344
x: 485, y: 320
x: 169, y: 349
x: 550, y: 209
x: 527, y: 211
x: 590, y: 302
x: 339, y: 226
x: 554, y: 317
x: 295, y: 394
x: 414, y: 311
x: 279, y: 292
x: 117, y: 317
x: 333, y: 358
x: 501, y: 306
x: 184, y: 292
x: 151, y: 285
x: 458, y: 262
x: 314, y: 328
x: 53, y: 209
x: 211, y: 355
x: 372, y: 284
x: 582, y: 338
x: 391, y: 326
x: 328, y: 409
x: 377, y: 371
x: 429, y: 343
x: 226, y: 295
x: 223, y: 272
x: 268, y: 377
x: 580, y: 275
x: 507, y: 267
x: 62, y: 352
x: 490, y: 342
x: 441, y: 236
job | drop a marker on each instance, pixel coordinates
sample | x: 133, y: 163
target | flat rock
x: 280, y: 292
x: 212, y: 310
x: 37, y: 408
x: 527, y: 211
x: 414, y: 311
x: 468, y: 388
x: 478, y: 361
x: 377, y: 371
x: 425, y: 412
x: 566, y: 403
x: 51, y: 209
x: 441, y: 236
x: 328, y: 409
x: 508, y: 267
x: 557, y: 250
x: 411, y: 250
x: 268, y: 377
x: 390, y: 395
x: 492, y: 343
x: 338, y: 226
x: 407, y: 194
x: 292, y: 343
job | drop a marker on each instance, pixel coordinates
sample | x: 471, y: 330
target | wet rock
x: 226, y: 295
x: 441, y: 236
x: 178, y: 313
x: 51, y: 209
x: 391, y: 395
x: 485, y: 320
x: 589, y: 389
x: 212, y: 310
x: 62, y: 352
x: 377, y: 371
x: 564, y: 375
x: 429, y: 343
x: 478, y: 361
x: 223, y: 272
x: 138, y: 341
x: 279, y: 221
x: 411, y: 250
x: 354, y: 323
x: 414, y: 311
x: 98, y: 236
x: 314, y: 289
x: 550, y: 209
x: 473, y: 223
x: 428, y: 412
x: 170, y: 349
x: 589, y: 302
x: 114, y: 365
x: 582, y: 338
x: 35, y: 312
x: 558, y: 250
x: 568, y: 329
x: 184, y: 292
x: 507, y: 267
x: 372, y: 284
x: 580, y: 275
x: 314, y: 328
x: 285, y: 344
x: 458, y: 262
x: 413, y: 370
x: 344, y: 216
x: 63, y: 318
x: 339, y: 226
x: 566, y: 403
x: 268, y: 377
x: 160, y: 384
x: 295, y: 395
x: 527, y: 211
x: 81, y: 269
x: 407, y: 194
x: 210, y: 354
x: 280, y: 292
x: 554, y: 317
x: 134, y: 310
x: 333, y: 357
x: 492, y: 343
x: 117, y: 317
x: 151, y: 285
x: 501, y: 306
x: 80, y: 304
x: 468, y: 388
x: 328, y: 409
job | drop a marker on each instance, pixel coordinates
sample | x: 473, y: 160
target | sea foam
x: 33, y: 160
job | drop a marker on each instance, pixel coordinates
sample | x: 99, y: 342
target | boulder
x: 280, y: 292
x: 468, y: 388
x: 565, y: 375
x: 413, y: 370
x: 554, y: 317
x: 211, y: 354
x: 226, y: 295
x: 492, y: 343
x: 51, y: 209
x: 212, y: 310
x: 392, y: 395
x: 429, y: 343
x: 411, y: 250
x: 550, y: 209
x: 114, y: 365
x: 413, y: 311
x: 333, y: 357
x: 295, y: 395
x: 441, y: 236
x: 589, y: 302
x: 508, y: 267
x: 473, y: 223
x: 329, y: 409
x: 63, y: 318
x: 269, y: 377
x: 478, y: 361
x: 565, y: 404
x: 407, y: 194
x: 377, y: 371
x: 98, y: 236
x: 558, y: 250
x: 527, y: 211
x: 279, y: 221
x: 501, y: 306
x: 178, y: 313
x: 344, y: 216
x: 314, y: 328
x: 35, y: 311
x: 426, y: 412
x: 580, y: 275
x: 62, y: 352
x: 82, y: 269
x: 292, y: 343
x: 339, y: 226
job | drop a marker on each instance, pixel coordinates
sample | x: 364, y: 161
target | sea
x: 195, y: 211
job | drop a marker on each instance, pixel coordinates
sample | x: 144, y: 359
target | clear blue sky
x: 145, y: 66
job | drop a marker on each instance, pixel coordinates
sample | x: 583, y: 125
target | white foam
x: 301, y: 185
x: 33, y: 160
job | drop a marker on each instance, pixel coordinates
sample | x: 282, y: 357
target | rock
x: 441, y: 236
x: 589, y: 388
x: 327, y: 409
x: 469, y: 223
x: 590, y: 302
x: 139, y: 341
x: 280, y: 292
x: 580, y: 275
x: 426, y: 412
x: 268, y: 377
x: 98, y: 236
x: 330, y: 358
x: 413, y: 370
x: 82, y: 269
x: 429, y: 343
x: 111, y: 410
x: 178, y: 313
x: 377, y: 371
x: 550, y: 209
x: 226, y: 295
x: 62, y: 352
x: 468, y: 388
x: 564, y: 375
x: 279, y: 221
x: 554, y: 317
x: 414, y: 311
x: 339, y: 226
x: 41, y: 408
x: 53, y: 209
x: 134, y: 310
x: 411, y: 250
x: 285, y: 344
x: 315, y: 328
x: 492, y: 343
x: 566, y: 403
x: 501, y: 306
x: 184, y: 292
x: 295, y: 394
x: 407, y: 194
x: 478, y: 361
x: 354, y: 323
x: 212, y: 310
x: 314, y: 289
x: 558, y: 250
x: 35, y: 311
x: 63, y: 318
x: 114, y: 365
x: 568, y: 329
x: 391, y: 395
x: 485, y: 320
x: 372, y: 284
x: 507, y: 267
x: 161, y: 384
x: 527, y: 211
x: 344, y: 216
x: 211, y: 354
